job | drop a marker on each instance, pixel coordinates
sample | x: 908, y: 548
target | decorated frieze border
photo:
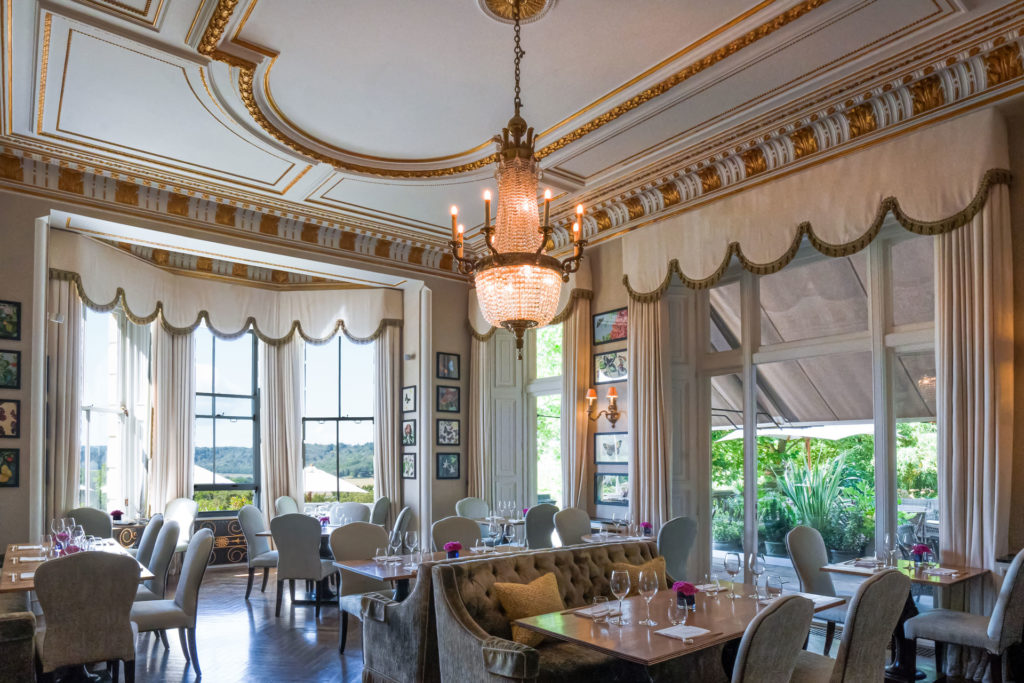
x: 911, y: 96
x: 23, y: 171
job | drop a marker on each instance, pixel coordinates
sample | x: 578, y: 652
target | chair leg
x: 129, y: 671
x: 266, y: 575
x: 995, y: 667
x: 114, y: 667
x: 163, y: 639
x: 291, y: 589
x: 319, y: 597
x: 280, y: 594
x: 940, y: 659
x: 830, y: 634
x: 343, y: 618
x: 248, y: 586
x: 192, y: 649
x: 184, y: 644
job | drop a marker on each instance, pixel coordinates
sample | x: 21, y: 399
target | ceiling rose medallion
x: 505, y: 10
x: 517, y: 282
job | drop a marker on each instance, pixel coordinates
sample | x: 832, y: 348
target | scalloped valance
x: 930, y: 181
x: 107, y: 277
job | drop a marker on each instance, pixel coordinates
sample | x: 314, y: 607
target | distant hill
x: 355, y: 461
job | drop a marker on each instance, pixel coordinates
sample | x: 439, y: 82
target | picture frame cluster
x: 10, y: 379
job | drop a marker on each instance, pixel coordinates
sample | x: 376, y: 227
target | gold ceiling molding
x: 127, y: 11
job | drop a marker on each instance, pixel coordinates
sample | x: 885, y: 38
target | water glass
x: 381, y: 556
x: 773, y: 587
x: 677, y: 613
x: 600, y: 611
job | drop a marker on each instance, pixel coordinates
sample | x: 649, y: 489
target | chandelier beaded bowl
x: 518, y: 284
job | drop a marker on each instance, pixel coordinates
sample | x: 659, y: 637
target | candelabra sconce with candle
x: 611, y: 413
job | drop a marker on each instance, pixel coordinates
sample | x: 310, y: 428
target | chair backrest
x: 870, y: 619
x: 197, y: 559
x: 352, y: 512
x: 95, y: 522
x: 461, y: 529
x: 807, y: 548
x: 379, y: 513
x: 572, y: 524
x: 160, y: 560
x: 286, y: 505
x: 473, y: 508
x: 358, y: 541
x: 87, y: 602
x: 768, y: 650
x: 675, y: 541
x: 1007, y: 620
x: 251, y: 520
x: 297, y: 538
x: 148, y: 539
x: 183, y: 511
x: 402, y: 523
x: 540, y: 523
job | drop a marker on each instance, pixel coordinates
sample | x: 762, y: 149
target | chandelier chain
x: 519, y: 53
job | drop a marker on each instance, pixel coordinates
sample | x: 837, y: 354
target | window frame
x: 535, y: 388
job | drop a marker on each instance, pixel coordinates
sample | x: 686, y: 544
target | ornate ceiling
x: 350, y: 127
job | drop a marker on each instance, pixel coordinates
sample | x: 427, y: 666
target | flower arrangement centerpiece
x: 919, y: 551
x: 116, y: 515
x: 686, y: 594
x: 452, y: 548
x: 324, y: 521
x: 647, y: 528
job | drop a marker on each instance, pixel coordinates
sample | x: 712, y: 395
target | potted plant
x: 727, y: 534
x: 776, y: 522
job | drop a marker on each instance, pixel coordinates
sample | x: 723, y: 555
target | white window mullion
x: 751, y: 339
x: 881, y: 381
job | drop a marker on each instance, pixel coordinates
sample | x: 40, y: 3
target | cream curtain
x: 576, y: 359
x: 174, y: 403
x: 280, y: 422
x: 650, y: 466
x: 387, y: 446
x: 64, y: 348
x: 974, y: 301
x: 478, y: 465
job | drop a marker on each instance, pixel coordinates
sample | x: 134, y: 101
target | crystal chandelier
x: 517, y: 283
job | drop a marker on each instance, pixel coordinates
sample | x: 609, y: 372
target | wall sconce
x: 611, y: 414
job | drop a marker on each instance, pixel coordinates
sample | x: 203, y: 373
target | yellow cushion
x: 657, y: 564
x: 519, y: 600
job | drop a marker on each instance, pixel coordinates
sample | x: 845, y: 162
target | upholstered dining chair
x: 994, y: 634
x: 159, y: 563
x: 572, y: 524
x: 297, y: 538
x: 95, y: 522
x: 807, y: 548
x: 675, y: 541
x: 180, y: 612
x: 460, y: 529
x: 183, y: 511
x: 772, y: 640
x: 148, y: 540
x: 257, y: 548
x: 356, y: 541
x: 86, y: 600
x: 874, y: 610
x: 379, y: 511
x: 352, y: 512
x: 286, y: 505
x: 540, y: 524
x: 401, y: 523
x: 473, y: 508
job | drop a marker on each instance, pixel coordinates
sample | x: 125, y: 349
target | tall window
x: 114, y: 429
x: 337, y: 425
x: 545, y: 400
x: 226, y: 466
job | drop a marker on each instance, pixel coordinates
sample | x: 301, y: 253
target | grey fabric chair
x: 540, y: 524
x: 352, y: 512
x: 994, y: 634
x: 675, y: 541
x: 286, y: 505
x: 95, y: 522
x: 473, y: 508
x: 257, y: 548
x: 86, y: 600
x: 401, y: 523
x: 461, y: 529
x: 183, y: 511
x: 148, y: 540
x: 160, y: 562
x: 572, y: 524
x: 807, y: 548
x: 874, y: 611
x: 379, y: 511
x: 297, y: 538
x: 180, y: 612
x: 356, y: 541
x: 771, y: 641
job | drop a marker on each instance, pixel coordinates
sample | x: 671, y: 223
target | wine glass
x: 395, y: 543
x: 47, y: 544
x: 892, y: 548
x: 60, y: 536
x: 78, y: 536
x: 412, y: 541
x: 732, y: 568
x: 758, y: 565
x: 619, y: 584
x: 508, y: 533
x: 648, y: 589
x: 773, y: 586
x: 494, y: 531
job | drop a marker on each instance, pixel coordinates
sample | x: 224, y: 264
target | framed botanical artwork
x: 610, y: 367
x: 448, y: 466
x: 610, y: 326
x: 408, y: 399
x: 612, y: 448
x: 408, y: 465
x: 448, y: 366
x: 448, y: 399
x: 10, y: 467
x: 10, y: 320
x: 10, y: 418
x: 10, y: 369
x: 611, y: 489
x: 448, y: 433
x: 408, y: 432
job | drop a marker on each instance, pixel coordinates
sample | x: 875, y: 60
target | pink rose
x: 452, y: 546
x: 684, y: 587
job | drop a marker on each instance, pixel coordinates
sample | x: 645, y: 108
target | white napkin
x: 30, y: 547
x: 865, y: 564
x: 591, y: 612
x: 682, y: 631
x: 38, y: 558
x: 27, y: 575
x: 708, y: 587
x: 940, y: 571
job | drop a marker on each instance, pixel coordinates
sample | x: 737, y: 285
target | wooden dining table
x: 18, y: 573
